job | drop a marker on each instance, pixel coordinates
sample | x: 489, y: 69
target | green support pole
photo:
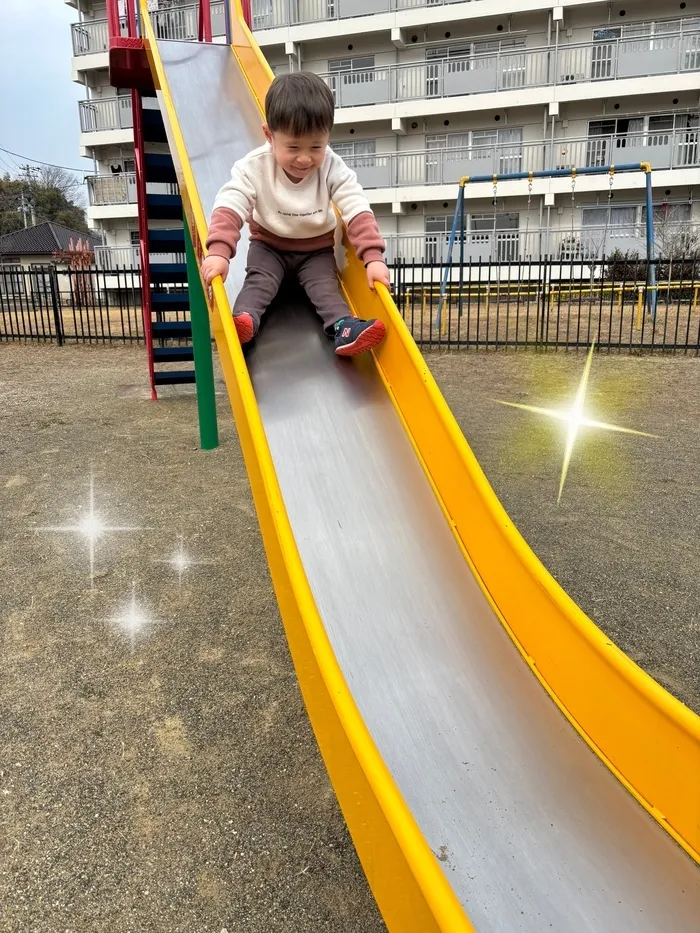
x: 201, y: 343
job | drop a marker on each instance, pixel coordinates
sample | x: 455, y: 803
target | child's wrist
x: 375, y: 258
x: 221, y: 250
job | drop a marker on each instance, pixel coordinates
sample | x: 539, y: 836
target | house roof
x: 43, y: 240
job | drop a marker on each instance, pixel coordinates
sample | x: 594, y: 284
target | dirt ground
x: 162, y: 778
x: 158, y: 772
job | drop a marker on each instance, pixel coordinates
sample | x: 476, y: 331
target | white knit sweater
x: 260, y: 191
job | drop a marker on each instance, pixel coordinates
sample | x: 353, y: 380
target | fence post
x: 201, y: 343
x: 58, y: 322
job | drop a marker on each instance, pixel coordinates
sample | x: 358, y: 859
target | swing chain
x: 574, y: 248
x: 527, y: 215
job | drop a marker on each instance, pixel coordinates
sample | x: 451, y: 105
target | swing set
x: 458, y: 221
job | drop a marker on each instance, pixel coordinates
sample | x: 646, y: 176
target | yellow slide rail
x: 648, y: 739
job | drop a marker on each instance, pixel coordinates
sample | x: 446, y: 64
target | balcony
x: 127, y: 258
x: 116, y: 190
x: 117, y: 258
x: 587, y: 244
x: 608, y: 60
x: 270, y: 14
x: 90, y: 37
x: 675, y: 149
x: 109, y: 190
x: 106, y: 113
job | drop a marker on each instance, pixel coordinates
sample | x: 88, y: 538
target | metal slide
x: 438, y: 660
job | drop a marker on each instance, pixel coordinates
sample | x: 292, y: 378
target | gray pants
x: 317, y: 274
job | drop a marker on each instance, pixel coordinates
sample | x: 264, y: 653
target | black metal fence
x: 548, y: 304
x: 70, y: 306
x: 621, y: 304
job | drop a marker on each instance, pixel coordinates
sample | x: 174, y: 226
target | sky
x: 38, y: 103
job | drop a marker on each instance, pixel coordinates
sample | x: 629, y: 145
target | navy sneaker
x: 353, y: 335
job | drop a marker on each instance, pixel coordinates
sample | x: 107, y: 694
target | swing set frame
x: 458, y: 221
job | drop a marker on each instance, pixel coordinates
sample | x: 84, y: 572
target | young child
x: 285, y: 191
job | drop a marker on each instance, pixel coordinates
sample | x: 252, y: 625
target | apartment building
x: 428, y: 91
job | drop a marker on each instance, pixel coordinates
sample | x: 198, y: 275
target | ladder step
x: 153, y: 126
x: 170, y: 301
x: 172, y: 354
x: 167, y: 329
x: 166, y: 241
x: 168, y: 272
x: 174, y: 377
x: 159, y: 168
x: 164, y: 206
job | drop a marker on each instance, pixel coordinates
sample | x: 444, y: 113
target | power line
x: 82, y: 171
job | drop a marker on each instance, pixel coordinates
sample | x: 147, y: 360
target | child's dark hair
x: 299, y: 104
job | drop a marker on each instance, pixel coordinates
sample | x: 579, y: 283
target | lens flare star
x: 133, y: 620
x: 575, y: 419
x: 180, y: 561
x: 92, y: 528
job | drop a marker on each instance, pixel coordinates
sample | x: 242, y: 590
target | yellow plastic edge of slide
x: 646, y: 737
x: 407, y: 881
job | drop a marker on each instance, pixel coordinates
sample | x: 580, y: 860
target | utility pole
x: 29, y: 174
x: 23, y: 207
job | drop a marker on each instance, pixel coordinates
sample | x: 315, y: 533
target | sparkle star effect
x: 575, y: 419
x: 92, y: 528
x: 133, y: 620
x: 182, y: 562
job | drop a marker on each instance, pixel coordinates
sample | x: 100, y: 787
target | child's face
x: 297, y: 155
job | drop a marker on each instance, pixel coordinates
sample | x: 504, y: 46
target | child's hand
x: 377, y: 271
x: 213, y: 266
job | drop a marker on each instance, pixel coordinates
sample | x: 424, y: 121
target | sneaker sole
x: 244, y: 327
x: 369, y: 338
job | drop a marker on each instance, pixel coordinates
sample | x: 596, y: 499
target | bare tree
x: 70, y: 186
x: 677, y: 242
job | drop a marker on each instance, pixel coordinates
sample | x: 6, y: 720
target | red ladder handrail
x: 204, y: 31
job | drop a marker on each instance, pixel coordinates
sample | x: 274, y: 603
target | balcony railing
x: 506, y: 71
x: 106, y: 113
x: 111, y: 258
x: 110, y: 113
x: 182, y: 22
x: 114, y: 258
x: 587, y: 244
x: 92, y: 36
x: 268, y: 14
x: 670, y: 149
x: 106, y: 190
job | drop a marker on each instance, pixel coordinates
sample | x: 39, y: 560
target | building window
x: 350, y: 71
x: 619, y: 221
x: 359, y: 153
x: 499, y: 150
x: 447, y: 59
x: 363, y: 63
x: 669, y: 214
x: 608, y: 139
x: 652, y: 28
x: 495, y: 235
